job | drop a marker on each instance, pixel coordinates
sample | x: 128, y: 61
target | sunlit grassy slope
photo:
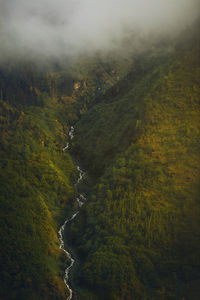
x: 138, y: 235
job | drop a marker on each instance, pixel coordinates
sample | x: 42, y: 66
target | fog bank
x: 54, y: 28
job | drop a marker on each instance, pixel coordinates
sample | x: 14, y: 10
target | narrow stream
x: 80, y: 199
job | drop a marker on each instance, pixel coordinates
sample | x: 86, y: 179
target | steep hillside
x: 37, y: 108
x: 137, y: 131
x: 37, y: 186
x: 138, y: 235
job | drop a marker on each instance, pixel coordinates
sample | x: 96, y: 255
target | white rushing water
x: 80, y: 199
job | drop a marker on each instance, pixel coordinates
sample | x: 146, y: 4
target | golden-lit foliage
x: 138, y: 234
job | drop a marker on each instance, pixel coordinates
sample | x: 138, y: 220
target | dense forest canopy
x: 137, y: 126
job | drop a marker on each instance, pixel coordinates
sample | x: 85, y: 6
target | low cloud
x: 51, y: 28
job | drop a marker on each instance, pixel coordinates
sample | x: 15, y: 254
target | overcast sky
x: 56, y: 27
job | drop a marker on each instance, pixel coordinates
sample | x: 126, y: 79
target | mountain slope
x: 37, y: 187
x: 37, y: 107
x: 138, y: 234
x: 137, y: 135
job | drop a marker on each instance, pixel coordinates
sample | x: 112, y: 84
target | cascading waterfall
x: 80, y: 199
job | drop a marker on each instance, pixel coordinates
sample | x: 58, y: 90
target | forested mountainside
x: 37, y: 108
x: 37, y: 187
x: 138, y: 235
x: 137, y: 135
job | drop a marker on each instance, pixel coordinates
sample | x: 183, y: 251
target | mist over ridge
x: 51, y: 28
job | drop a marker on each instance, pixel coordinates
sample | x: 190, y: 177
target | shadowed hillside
x: 138, y: 235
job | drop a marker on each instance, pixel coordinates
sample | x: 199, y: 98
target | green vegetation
x: 138, y: 235
x: 137, y: 133
x: 37, y: 187
x: 37, y: 108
